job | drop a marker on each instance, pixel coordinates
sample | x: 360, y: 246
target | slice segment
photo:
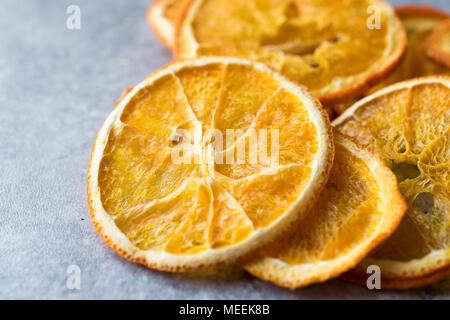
x: 154, y: 193
x: 412, y: 137
x: 359, y: 207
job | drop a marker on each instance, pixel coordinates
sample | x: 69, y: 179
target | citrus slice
x: 438, y: 44
x: 359, y: 207
x: 335, y: 48
x: 420, y: 21
x: 408, y: 124
x: 161, y: 16
x: 164, y: 194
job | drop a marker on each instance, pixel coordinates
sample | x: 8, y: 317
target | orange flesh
x: 173, y: 9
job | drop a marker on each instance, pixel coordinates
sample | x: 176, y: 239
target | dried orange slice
x: 335, y: 48
x: 438, y: 44
x: 420, y: 22
x: 161, y: 16
x: 359, y: 207
x: 210, y: 207
x: 408, y: 124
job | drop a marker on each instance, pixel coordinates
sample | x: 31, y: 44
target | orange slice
x: 332, y: 47
x: 420, y: 21
x: 359, y: 207
x: 161, y: 16
x: 438, y: 44
x: 161, y: 193
x: 408, y: 124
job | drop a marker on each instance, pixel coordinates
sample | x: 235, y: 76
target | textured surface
x: 57, y: 87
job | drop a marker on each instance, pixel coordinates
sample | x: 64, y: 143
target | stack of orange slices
x: 228, y: 156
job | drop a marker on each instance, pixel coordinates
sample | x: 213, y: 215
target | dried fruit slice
x: 420, y: 21
x: 438, y: 44
x: 408, y: 124
x: 333, y: 47
x: 159, y: 194
x: 161, y: 16
x: 359, y: 207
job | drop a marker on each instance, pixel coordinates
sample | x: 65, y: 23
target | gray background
x: 56, y: 88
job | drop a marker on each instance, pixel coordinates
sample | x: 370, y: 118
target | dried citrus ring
x: 408, y: 124
x: 359, y: 207
x: 174, y: 215
x: 420, y: 21
x: 335, y: 48
x: 438, y: 44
